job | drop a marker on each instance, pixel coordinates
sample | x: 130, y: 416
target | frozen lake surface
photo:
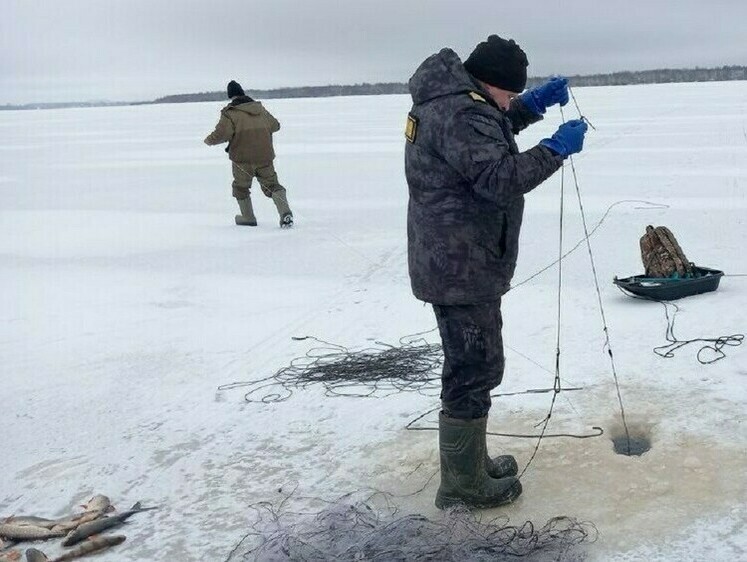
x: 128, y: 296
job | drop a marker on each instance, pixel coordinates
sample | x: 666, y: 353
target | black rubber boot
x: 464, y: 478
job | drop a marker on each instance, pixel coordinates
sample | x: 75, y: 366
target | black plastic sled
x: 704, y: 280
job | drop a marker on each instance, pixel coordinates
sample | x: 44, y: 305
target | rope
x: 607, y: 343
x: 581, y: 115
x: 598, y: 431
x: 556, y: 383
x: 650, y: 206
x: 713, y: 345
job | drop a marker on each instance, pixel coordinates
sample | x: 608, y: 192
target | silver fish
x: 33, y: 555
x: 98, y: 503
x: 95, y: 527
x: 68, y: 524
x: 92, y: 545
x: 96, y: 507
x: 27, y: 532
x: 31, y: 520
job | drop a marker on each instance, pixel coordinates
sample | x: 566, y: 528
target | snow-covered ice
x: 128, y: 296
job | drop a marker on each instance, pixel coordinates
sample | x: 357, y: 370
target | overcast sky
x: 120, y: 50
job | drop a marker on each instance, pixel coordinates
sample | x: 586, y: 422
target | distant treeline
x: 660, y: 76
x: 301, y: 92
x: 663, y: 76
x: 613, y: 79
x: 66, y: 104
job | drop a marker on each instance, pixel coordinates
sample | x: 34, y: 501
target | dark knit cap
x: 234, y: 89
x: 500, y: 63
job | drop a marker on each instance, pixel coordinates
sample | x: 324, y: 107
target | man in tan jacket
x: 247, y: 127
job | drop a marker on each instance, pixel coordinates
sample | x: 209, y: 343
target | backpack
x: 662, y: 255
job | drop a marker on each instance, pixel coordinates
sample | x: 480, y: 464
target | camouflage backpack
x: 662, y: 255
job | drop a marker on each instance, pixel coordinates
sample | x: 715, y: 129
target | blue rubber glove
x: 568, y: 139
x: 540, y: 98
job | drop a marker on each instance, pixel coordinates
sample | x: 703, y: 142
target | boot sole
x: 444, y: 501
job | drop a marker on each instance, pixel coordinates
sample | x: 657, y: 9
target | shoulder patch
x: 411, y: 127
x: 477, y: 97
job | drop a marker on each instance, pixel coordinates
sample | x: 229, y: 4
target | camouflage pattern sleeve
x: 223, y: 132
x: 521, y: 116
x: 480, y: 151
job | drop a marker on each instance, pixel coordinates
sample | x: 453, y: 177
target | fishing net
x: 413, y: 366
x: 355, y: 530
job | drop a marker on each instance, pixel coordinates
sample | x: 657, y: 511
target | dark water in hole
x: 638, y: 445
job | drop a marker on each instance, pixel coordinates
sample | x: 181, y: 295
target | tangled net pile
x: 357, y: 530
x: 414, y: 365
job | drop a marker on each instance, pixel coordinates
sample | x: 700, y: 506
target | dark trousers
x: 473, y: 357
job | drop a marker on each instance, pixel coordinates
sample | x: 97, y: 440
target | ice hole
x: 635, y: 447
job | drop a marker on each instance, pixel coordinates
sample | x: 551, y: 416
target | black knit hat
x: 500, y: 63
x: 234, y: 89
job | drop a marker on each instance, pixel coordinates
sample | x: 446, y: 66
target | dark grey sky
x: 65, y: 50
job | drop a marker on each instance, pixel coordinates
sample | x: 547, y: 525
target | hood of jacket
x: 245, y: 104
x: 442, y: 74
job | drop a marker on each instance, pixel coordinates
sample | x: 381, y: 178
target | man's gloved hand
x: 540, y: 98
x: 568, y: 139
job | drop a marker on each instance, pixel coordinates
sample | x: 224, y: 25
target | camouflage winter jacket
x: 247, y: 127
x: 467, y: 179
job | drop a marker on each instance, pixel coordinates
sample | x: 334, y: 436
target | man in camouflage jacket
x: 247, y: 127
x: 467, y: 180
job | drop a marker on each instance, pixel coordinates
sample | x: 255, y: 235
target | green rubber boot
x: 464, y: 478
x: 500, y: 466
x: 246, y: 218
